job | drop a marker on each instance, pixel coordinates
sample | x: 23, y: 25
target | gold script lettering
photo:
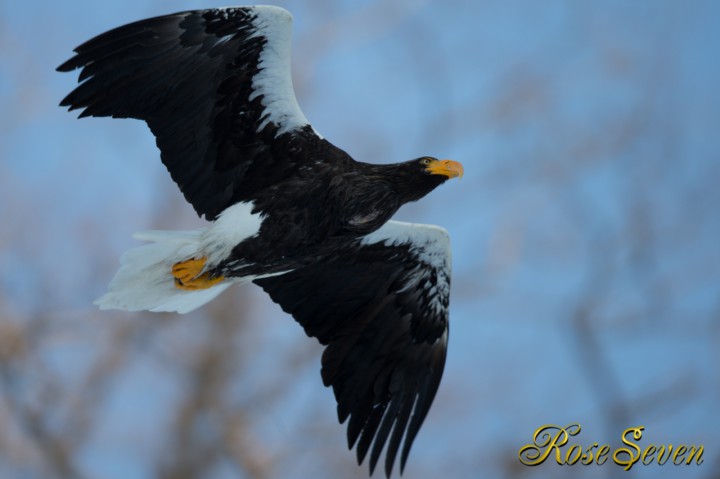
x: 679, y: 454
x: 632, y: 458
x: 691, y: 453
x: 602, y: 454
x: 552, y: 438
x: 544, y: 442
x: 647, y: 457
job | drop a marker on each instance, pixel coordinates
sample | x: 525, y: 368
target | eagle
x: 287, y: 210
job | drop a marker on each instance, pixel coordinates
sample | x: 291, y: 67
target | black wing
x: 381, y: 307
x: 215, y: 88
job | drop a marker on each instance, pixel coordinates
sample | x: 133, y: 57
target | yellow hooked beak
x: 449, y: 168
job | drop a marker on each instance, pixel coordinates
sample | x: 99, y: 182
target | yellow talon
x: 188, y: 275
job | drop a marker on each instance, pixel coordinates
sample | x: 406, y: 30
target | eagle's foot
x: 188, y: 275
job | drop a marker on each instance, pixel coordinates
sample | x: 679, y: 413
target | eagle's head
x: 416, y: 178
x: 445, y: 169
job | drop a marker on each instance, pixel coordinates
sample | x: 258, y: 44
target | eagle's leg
x: 189, y: 276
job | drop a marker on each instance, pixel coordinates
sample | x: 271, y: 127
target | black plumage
x: 384, y: 352
x: 290, y: 211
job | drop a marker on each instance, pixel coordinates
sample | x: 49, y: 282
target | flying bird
x: 288, y: 211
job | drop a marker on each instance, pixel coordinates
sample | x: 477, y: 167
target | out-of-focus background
x: 586, y: 237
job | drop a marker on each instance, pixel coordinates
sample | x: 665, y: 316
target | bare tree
x: 587, y: 217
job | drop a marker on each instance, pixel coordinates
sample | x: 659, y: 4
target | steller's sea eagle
x: 289, y: 211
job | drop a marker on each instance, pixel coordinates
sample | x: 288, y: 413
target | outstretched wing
x: 215, y: 88
x: 381, y: 307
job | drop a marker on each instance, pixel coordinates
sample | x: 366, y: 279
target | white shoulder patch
x: 431, y: 247
x: 274, y: 78
x: 429, y: 242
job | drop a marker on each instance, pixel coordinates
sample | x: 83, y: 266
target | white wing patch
x: 431, y: 243
x: 431, y: 246
x: 274, y: 78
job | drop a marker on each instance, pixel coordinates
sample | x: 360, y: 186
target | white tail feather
x: 144, y: 280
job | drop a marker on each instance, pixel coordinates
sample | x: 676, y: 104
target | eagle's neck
x: 404, y: 181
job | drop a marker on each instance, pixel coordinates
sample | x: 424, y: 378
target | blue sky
x: 588, y: 131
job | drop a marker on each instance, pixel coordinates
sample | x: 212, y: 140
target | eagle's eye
x: 425, y: 161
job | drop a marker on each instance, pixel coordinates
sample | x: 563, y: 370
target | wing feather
x: 215, y: 88
x: 381, y: 306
